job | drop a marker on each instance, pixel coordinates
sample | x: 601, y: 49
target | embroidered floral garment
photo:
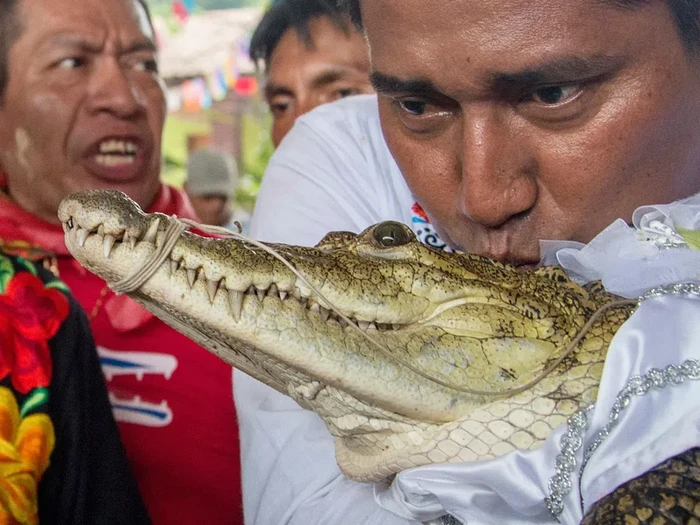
x: 61, y: 460
x: 172, y: 400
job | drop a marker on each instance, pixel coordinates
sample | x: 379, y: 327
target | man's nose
x: 112, y: 91
x: 497, y: 171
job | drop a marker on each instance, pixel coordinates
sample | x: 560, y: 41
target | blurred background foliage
x: 181, y: 127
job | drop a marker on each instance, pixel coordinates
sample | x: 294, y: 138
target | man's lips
x: 527, y: 266
x: 522, y: 263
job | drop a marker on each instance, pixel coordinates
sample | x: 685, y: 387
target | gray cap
x: 210, y: 173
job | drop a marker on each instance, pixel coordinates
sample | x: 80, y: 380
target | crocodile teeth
x: 273, y: 291
x: 260, y: 294
x: 363, y: 324
x: 315, y: 307
x: 212, y: 287
x: 66, y: 228
x: 108, y: 244
x: 342, y: 322
x: 191, y: 276
x: 252, y: 292
x: 283, y: 295
x: 235, y: 300
x: 101, y: 230
x: 152, y: 231
x: 325, y: 314
x: 396, y: 326
x: 174, y: 266
x: 82, y: 236
x: 128, y: 238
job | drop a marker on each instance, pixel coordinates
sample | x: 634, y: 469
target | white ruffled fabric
x: 654, y: 427
x: 630, y: 260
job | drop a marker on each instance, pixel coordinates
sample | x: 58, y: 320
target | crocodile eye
x: 390, y: 234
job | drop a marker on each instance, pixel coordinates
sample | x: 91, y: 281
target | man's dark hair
x: 686, y: 14
x: 11, y: 29
x: 284, y: 15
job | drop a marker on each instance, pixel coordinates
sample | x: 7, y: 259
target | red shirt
x: 172, y: 399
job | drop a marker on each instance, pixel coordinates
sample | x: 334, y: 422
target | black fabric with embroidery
x: 54, y: 388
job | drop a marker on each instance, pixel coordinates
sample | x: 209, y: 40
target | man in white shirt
x: 311, y: 55
x: 511, y: 122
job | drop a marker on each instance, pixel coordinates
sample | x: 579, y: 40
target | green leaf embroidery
x: 37, y: 398
x: 692, y: 237
x: 58, y: 285
x: 7, y: 271
x: 27, y: 265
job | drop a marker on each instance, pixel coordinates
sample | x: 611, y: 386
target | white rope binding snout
x: 142, y: 274
x: 177, y: 227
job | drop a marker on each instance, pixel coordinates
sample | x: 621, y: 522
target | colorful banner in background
x: 200, y: 93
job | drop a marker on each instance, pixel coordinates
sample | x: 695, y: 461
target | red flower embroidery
x: 30, y: 315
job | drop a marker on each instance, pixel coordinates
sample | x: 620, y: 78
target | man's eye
x: 423, y: 116
x: 278, y: 108
x: 344, y: 92
x: 413, y: 107
x: 555, y: 95
x: 147, y: 65
x: 71, y: 63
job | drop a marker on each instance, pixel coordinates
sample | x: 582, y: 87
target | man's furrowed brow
x: 93, y: 45
x: 141, y: 45
x: 562, y: 70
x: 390, y: 84
x: 73, y: 42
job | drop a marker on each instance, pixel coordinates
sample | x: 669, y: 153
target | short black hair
x: 284, y: 15
x: 686, y: 14
x: 11, y: 29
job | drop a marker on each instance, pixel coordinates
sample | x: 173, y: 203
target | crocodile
x: 462, y: 319
x: 410, y: 355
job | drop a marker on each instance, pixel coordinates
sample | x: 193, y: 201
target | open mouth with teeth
x: 116, y: 152
x: 196, y: 275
